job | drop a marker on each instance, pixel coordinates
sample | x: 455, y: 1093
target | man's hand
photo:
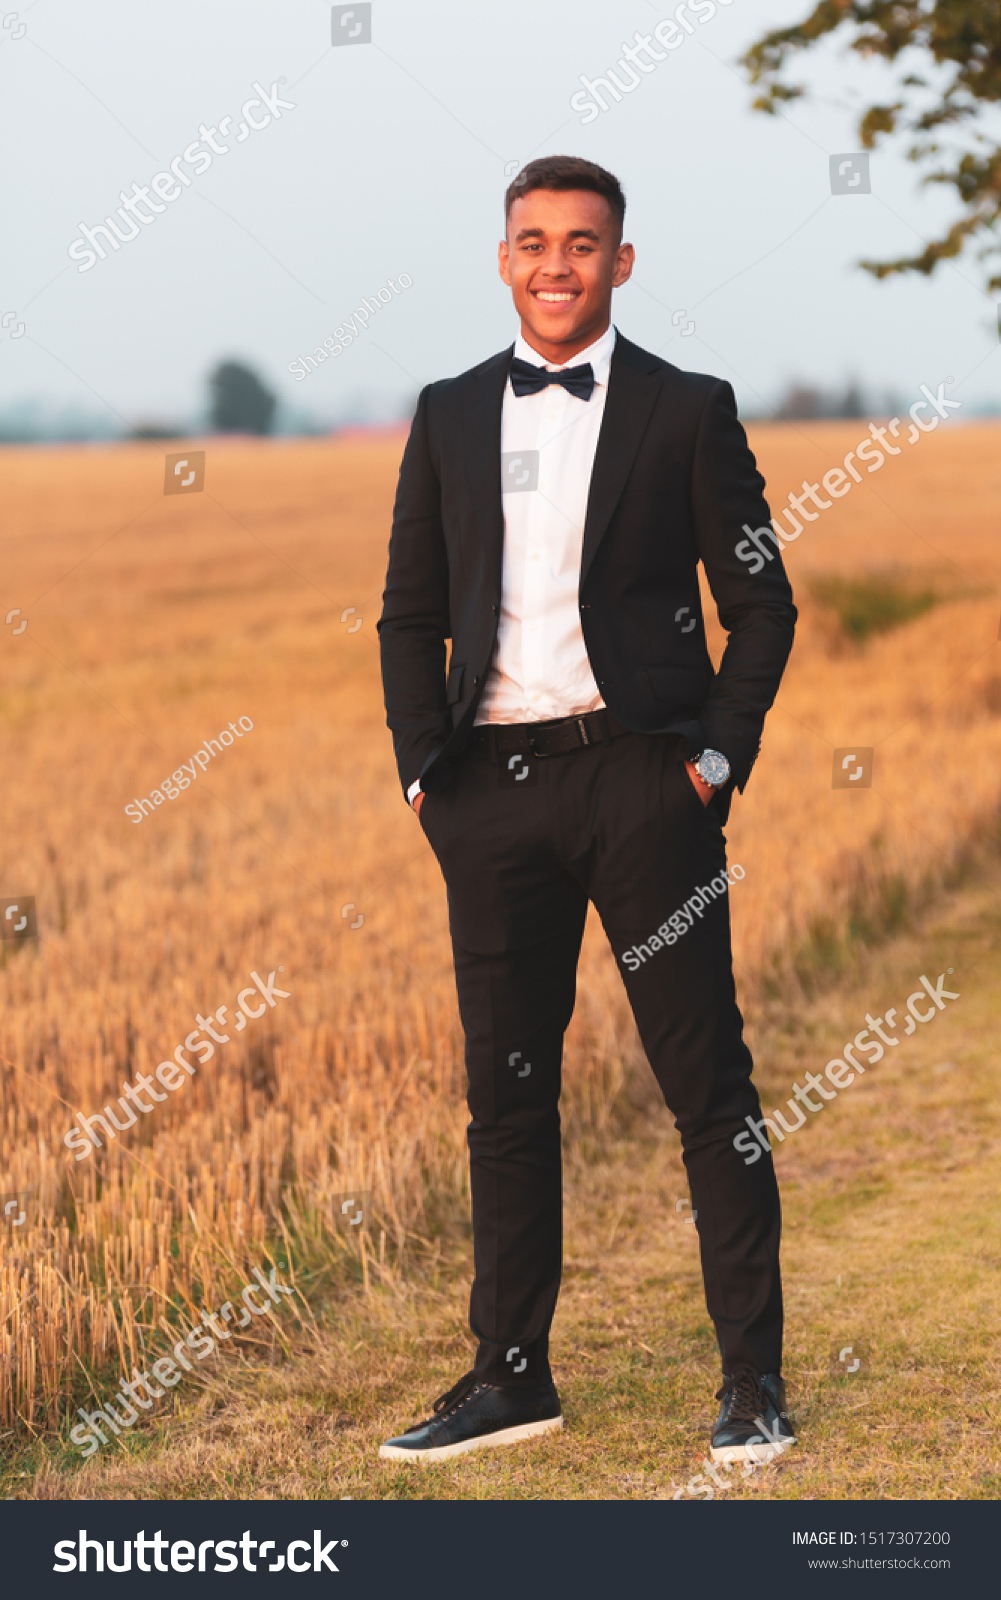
x: 418, y: 801
x: 705, y: 791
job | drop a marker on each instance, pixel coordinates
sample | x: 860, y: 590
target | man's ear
x: 503, y: 262
x: 625, y: 257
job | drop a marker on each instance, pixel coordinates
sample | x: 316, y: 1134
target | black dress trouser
x: 524, y: 844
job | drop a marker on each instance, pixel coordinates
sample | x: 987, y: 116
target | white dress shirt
x: 540, y: 668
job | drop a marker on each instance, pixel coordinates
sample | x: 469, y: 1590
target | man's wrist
x: 704, y: 790
x: 713, y: 768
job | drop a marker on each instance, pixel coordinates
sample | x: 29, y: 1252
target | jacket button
x: 475, y: 682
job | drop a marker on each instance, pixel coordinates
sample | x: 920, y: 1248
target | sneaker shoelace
x: 450, y: 1402
x: 742, y: 1392
x: 457, y: 1396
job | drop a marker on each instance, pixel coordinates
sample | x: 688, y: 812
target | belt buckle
x: 540, y: 755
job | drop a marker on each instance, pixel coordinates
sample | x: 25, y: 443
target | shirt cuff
x: 413, y: 791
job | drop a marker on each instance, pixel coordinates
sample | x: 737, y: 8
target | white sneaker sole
x: 757, y: 1450
x: 486, y: 1441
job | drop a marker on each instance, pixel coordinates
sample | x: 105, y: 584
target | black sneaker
x: 753, y: 1424
x: 778, y: 1422
x: 473, y: 1416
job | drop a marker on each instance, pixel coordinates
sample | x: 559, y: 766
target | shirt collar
x: 599, y: 354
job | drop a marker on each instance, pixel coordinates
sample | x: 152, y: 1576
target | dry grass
x: 891, y: 1242
x: 153, y: 623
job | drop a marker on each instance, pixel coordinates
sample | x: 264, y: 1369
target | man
x: 552, y: 507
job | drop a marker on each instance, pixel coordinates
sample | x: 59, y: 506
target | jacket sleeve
x: 415, y: 614
x: 752, y: 595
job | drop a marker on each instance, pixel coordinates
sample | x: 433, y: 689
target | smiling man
x: 553, y: 506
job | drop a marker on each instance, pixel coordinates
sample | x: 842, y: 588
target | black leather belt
x: 558, y: 738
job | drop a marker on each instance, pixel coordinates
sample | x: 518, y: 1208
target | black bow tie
x: 526, y: 379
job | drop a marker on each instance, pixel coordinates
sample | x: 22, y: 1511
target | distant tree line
x: 238, y: 403
x: 803, y: 400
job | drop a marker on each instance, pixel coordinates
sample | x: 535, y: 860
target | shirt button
x: 535, y: 555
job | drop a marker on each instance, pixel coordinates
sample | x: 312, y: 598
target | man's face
x: 562, y: 259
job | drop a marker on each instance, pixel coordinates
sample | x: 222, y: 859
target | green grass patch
x: 872, y: 603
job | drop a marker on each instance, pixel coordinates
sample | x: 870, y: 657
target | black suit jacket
x: 674, y: 481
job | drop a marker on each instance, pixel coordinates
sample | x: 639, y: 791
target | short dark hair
x: 567, y: 172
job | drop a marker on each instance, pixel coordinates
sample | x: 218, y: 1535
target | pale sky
x: 394, y: 160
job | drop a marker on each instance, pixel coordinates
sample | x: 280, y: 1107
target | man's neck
x: 559, y: 354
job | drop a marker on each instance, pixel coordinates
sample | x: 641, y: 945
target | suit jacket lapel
x: 481, y: 435
x: 633, y: 387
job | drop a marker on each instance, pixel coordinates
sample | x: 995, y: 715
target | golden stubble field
x: 155, y: 622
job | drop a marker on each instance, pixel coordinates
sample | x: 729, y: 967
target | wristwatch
x: 713, y: 768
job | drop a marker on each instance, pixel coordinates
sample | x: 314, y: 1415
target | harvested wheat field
x: 154, y: 624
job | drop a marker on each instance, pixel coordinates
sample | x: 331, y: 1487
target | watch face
x: 713, y: 768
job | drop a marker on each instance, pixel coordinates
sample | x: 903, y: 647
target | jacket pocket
x: 453, y: 687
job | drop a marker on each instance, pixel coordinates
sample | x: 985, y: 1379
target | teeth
x: 544, y: 294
